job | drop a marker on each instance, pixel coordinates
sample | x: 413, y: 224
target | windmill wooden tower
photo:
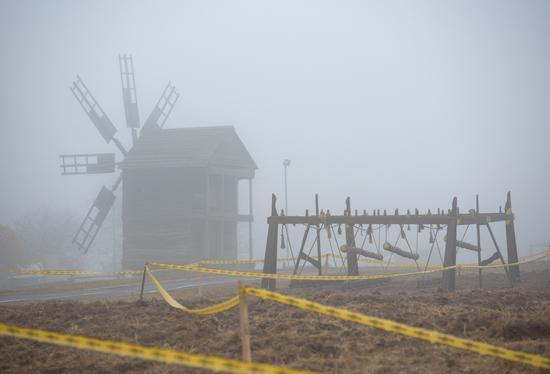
x: 180, y: 186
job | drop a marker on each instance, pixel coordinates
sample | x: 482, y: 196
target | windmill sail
x: 93, y: 110
x: 164, y: 107
x: 95, y: 217
x: 129, y: 91
x: 93, y: 163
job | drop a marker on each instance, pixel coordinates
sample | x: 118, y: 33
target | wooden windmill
x: 180, y: 185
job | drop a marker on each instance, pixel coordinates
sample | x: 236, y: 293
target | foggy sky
x: 398, y: 104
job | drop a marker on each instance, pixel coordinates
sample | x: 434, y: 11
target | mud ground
x: 516, y: 318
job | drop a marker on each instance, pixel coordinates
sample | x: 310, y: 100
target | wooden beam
x: 421, y: 219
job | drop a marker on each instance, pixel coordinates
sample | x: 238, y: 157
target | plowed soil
x: 517, y: 318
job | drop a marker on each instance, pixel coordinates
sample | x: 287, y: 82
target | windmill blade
x: 92, y: 163
x: 164, y: 107
x: 98, y: 117
x: 93, y: 110
x: 95, y: 217
x: 129, y: 91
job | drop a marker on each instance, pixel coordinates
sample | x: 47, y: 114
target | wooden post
x: 245, y: 330
x: 318, y: 229
x: 478, y: 244
x: 511, y: 240
x: 449, y: 276
x: 353, y: 265
x: 142, y: 283
x: 221, y: 233
x: 270, y: 258
x: 206, y: 251
x: 250, y: 219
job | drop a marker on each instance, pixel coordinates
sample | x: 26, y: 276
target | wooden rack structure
x: 450, y: 219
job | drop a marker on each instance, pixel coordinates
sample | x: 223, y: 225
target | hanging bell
x: 283, y: 244
x: 431, y: 237
x: 339, y: 229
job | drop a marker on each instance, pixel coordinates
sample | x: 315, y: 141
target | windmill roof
x: 218, y: 146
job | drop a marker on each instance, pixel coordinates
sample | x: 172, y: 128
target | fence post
x: 142, y: 282
x: 245, y: 331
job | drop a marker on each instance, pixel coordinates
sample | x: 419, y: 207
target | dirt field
x: 517, y: 318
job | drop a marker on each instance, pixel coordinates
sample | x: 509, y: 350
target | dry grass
x: 516, y: 318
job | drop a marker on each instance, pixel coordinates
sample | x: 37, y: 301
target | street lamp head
x: 286, y: 163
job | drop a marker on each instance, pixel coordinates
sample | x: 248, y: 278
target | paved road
x: 94, y: 292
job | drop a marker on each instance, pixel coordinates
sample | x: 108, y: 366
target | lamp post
x: 286, y: 164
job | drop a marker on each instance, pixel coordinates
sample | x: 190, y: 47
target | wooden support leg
x: 353, y: 265
x: 511, y: 240
x: 270, y: 258
x: 478, y: 231
x: 500, y: 255
x: 318, y: 232
x: 448, y: 281
x: 302, y: 246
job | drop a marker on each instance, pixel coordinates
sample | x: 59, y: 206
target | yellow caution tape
x: 253, y: 261
x: 286, y: 259
x: 194, y: 266
x: 400, y: 328
x: 58, y: 272
x: 77, y: 272
x: 335, y: 256
x: 251, y: 274
x: 228, y: 304
x: 137, y: 351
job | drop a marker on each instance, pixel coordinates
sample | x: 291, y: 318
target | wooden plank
x: 422, y: 219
